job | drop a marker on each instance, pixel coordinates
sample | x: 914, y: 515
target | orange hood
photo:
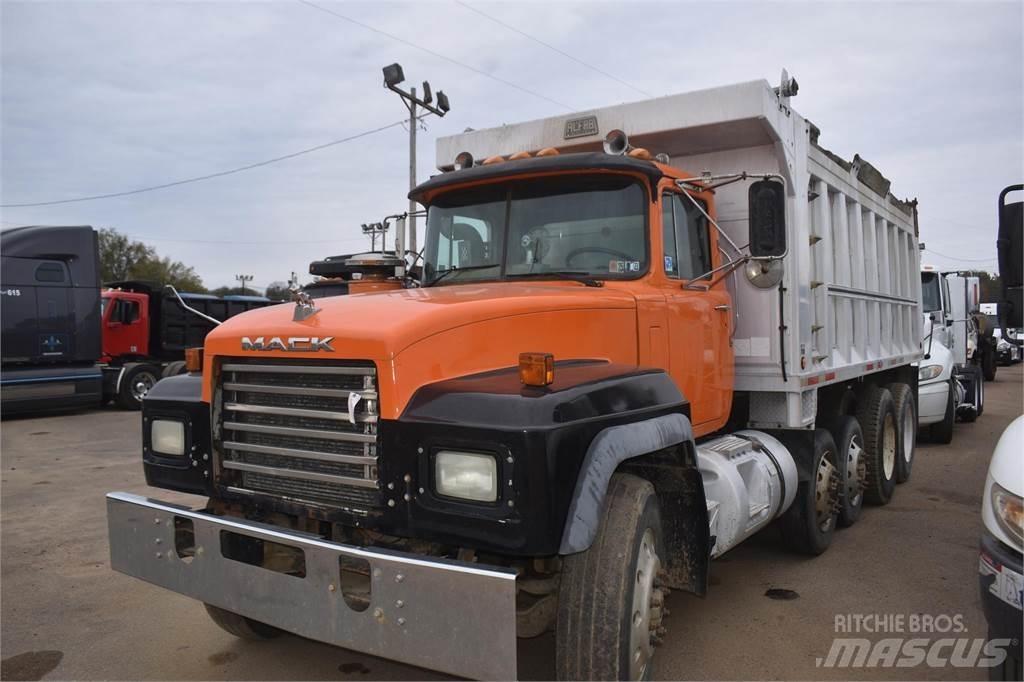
x: 417, y: 336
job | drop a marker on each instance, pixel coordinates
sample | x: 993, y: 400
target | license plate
x: 1008, y: 585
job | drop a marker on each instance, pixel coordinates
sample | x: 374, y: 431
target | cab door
x: 699, y: 314
x: 125, y: 331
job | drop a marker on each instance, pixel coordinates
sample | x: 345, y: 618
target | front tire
x: 988, y: 361
x: 240, y: 626
x: 942, y: 432
x: 610, y: 604
x: 877, y: 417
x: 138, y: 379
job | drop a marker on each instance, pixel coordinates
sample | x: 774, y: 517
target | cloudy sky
x: 103, y: 97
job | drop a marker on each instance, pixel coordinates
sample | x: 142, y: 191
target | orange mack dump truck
x: 628, y: 352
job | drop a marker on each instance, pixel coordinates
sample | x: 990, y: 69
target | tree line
x: 123, y: 259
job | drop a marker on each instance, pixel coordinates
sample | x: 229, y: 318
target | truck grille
x: 285, y: 430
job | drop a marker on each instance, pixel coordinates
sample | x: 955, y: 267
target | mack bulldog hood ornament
x: 304, y: 306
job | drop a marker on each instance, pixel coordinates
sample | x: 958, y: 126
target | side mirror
x: 767, y: 218
x: 1010, y: 247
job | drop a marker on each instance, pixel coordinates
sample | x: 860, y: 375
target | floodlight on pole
x: 393, y: 75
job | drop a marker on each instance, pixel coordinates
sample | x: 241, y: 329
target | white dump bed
x: 849, y: 298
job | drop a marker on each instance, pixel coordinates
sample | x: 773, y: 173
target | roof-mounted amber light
x: 536, y: 369
x: 519, y: 155
x: 547, y: 151
x: 491, y: 160
x: 194, y: 359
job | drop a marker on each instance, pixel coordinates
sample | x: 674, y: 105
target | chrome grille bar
x: 304, y: 475
x: 301, y: 433
x: 298, y: 390
x: 303, y: 454
x: 296, y: 412
x: 301, y: 369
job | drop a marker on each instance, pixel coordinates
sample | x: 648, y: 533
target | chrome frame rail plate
x: 454, y: 617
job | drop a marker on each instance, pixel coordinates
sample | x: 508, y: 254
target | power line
x: 236, y: 242
x: 209, y: 176
x: 958, y: 258
x: 438, y: 55
x: 553, y: 48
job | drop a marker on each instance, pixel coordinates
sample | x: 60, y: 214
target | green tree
x: 278, y: 291
x: 166, y: 271
x: 122, y: 259
x: 119, y: 255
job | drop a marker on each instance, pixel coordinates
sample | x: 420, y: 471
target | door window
x: 686, y: 237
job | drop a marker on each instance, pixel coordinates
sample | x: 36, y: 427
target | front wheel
x: 135, y: 384
x: 240, y: 626
x: 988, y: 362
x: 611, y: 600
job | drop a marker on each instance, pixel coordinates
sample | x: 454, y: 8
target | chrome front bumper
x: 455, y: 617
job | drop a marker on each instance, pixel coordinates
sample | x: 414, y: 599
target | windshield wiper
x: 570, y: 275
x: 462, y: 269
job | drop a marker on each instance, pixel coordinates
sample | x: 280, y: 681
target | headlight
x: 466, y: 475
x: 168, y: 437
x: 929, y: 372
x: 1009, y: 511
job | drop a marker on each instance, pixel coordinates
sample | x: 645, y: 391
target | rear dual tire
x: 877, y: 416
x: 810, y: 522
x: 906, y: 425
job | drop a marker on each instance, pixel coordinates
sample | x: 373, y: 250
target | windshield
x: 930, y: 297
x: 586, y: 225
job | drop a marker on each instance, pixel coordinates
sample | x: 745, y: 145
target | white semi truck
x: 952, y: 381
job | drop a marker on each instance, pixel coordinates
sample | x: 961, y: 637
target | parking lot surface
x: 65, y: 614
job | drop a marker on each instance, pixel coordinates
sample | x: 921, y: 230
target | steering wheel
x: 596, y: 249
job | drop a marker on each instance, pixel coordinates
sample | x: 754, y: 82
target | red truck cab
x: 125, y: 324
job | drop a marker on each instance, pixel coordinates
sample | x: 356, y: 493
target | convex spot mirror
x: 767, y: 219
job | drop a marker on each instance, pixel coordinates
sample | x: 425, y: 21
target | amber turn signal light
x: 536, y: 369
x: 194, y: 359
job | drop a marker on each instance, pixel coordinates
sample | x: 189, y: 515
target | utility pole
x: 243, y: 279
x: 393, y: 75
x: 412, y: 167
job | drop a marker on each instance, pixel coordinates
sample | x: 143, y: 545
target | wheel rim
x: 888, y: 447
x: 856, y: 472
x: 647, y: 610
x: 909, y: 427
x: 141, y: 383
x: 824, y: 498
